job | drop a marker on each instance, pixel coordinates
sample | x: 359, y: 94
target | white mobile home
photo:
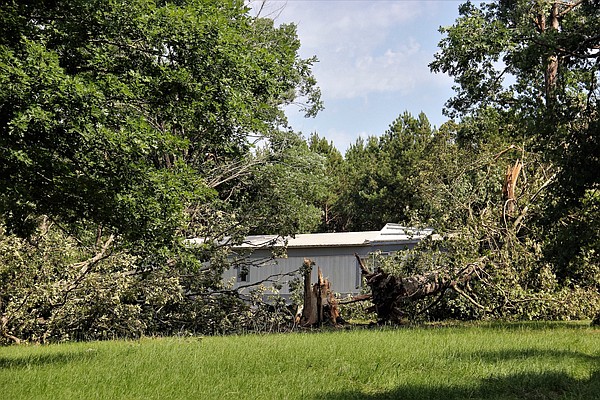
x: 332, y: 252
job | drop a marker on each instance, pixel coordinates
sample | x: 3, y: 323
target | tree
x: 376, y: 187
x: 484, y: 258
x: 124, y: 128
x: 549, y: 50
x: 283, y: 190
x: 113, y: 113
x: 508, y: 187
x: 331, y: 219
x: 526, y: 76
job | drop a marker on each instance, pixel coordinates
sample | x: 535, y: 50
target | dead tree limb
x: 510, y: 183
x: 391, y: 294
x: 355, y: 299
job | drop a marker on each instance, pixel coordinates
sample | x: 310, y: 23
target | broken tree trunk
x: 391, y: 294
x: 309, y: 310
x: 510, y: 183
x: 320, y: 305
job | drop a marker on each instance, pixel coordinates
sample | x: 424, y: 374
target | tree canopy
x: 114, y: 113
x: 126, y: 127
x: 529, y: 71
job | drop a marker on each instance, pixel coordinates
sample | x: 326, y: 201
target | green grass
x: 484, y: 361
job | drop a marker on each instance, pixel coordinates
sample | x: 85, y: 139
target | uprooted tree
x: 391, y: 294
x: 485, y: 260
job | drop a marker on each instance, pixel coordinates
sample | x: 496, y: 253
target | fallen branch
x: 85, y: 267
x: 356, y: 299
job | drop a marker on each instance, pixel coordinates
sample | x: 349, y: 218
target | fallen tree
x: 391, y: 294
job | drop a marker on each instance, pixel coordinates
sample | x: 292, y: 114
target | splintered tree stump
x: 320, y: 305
x: 391, y: 294
x: 510, y: 183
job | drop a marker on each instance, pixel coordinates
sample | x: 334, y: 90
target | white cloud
x: 363, y: 47
x: 394, y: 69
x: 374, y: 58
x: 353, y: 27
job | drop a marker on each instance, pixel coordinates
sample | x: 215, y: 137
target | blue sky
x: 373, y: 61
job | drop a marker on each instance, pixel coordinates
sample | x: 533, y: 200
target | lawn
x: 482, y: 361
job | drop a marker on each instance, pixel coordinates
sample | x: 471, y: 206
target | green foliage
x: 462, y: 193
x: 526, y: 91
x: 283, y: 190
x: 126, y: 128
x: 113, y: 113
x: 331, y: 219
x: 57, y: 289
x: 375, y: 179
x: 527, y: 74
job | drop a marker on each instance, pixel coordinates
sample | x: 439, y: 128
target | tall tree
x: 331, y: 218
x: 126, y: 127
x: 115, y: 113
x: 377, y: 173
x: 534, y: 66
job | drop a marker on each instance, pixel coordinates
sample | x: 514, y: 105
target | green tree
x: 509, y: 188
x: 534, y: 67
x: 113, y: 113
x: 124, y: 128
x: 283, y: 189
x: 331, y: 219
x: 377, y: 171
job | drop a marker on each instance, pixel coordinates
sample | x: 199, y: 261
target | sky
x: 373, y: 62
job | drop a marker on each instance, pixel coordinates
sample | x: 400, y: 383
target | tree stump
x: 320, y: 304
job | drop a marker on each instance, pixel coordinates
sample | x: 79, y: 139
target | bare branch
x: 365, y: 271
x: 568, y: 7
x: 356, y: 299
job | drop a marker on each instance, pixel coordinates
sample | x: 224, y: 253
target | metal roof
x: 390, y: 234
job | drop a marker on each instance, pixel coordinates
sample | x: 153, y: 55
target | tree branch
x: 365, y: 271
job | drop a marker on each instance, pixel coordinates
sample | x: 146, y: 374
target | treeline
x: 126, y: 129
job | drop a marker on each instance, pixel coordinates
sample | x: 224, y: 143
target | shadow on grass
x: 32, y: 361
x: 538, y: 325
x: 523, y: 354
x: 529, y: 386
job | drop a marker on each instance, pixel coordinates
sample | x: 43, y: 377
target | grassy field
x: 489, y: 361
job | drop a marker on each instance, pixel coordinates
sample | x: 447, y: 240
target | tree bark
x: 391, y: 294
x: 320, y: 305
x: 510, y: 183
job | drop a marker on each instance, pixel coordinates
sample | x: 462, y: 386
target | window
x: 242, y: 273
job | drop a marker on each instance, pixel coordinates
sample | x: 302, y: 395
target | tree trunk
x: 391, y: 294
x: 510, y: 183
x: 320, y: 305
